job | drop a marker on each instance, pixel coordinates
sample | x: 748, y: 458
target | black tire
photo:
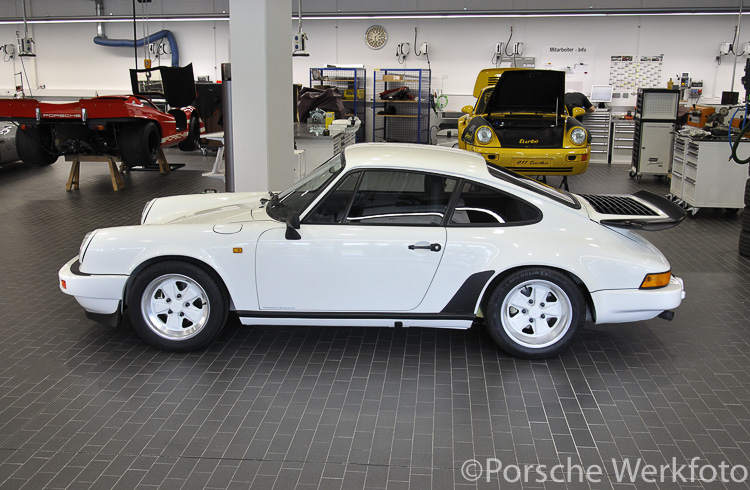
x: 169, y: 321
x: 193, y: 141
x: 139, y: 144
x: 747, y: 192
x: 33, y: 146
x: 746, y: 219
x: 745, y: 243
x: 562, y: 313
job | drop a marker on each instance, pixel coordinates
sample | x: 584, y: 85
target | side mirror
x: 578, y: 111
x: 467, y: 109
x: 292, y: 225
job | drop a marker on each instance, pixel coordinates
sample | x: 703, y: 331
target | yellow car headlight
x: 578, y: 136
x: 484, y: 135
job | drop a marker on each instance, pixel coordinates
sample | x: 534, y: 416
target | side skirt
x: 392, y: 320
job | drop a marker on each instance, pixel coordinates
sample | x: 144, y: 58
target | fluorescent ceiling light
x: 520, y: 14
x: 223, y: 17
x: 113, y: 19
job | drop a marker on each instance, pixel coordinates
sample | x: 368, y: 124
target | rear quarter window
x: 480, y: 205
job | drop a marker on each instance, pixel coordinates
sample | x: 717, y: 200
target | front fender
x: 122, y: 250
x: 467, y: 137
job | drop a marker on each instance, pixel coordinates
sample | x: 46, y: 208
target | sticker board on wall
x: 629, y: 73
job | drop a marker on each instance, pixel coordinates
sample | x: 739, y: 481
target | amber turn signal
x: 656, y: 280
x: 62, y: 282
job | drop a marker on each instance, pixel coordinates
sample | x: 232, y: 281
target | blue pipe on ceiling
x: 103, y: 41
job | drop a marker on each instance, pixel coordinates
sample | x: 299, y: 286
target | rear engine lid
x: 643, y: 210
x: 528, y: 91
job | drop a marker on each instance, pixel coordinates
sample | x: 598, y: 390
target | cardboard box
x: 393, y: 78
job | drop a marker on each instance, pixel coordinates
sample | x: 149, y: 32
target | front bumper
x: 100, y: 295
x: 632, y: 305
x: 528, y: 161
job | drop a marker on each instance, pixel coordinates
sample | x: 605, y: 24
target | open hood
x: 524, y: 91
x: 642, y: 210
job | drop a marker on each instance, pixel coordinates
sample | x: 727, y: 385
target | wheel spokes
x: 536, y: 313
x: 175, y: 306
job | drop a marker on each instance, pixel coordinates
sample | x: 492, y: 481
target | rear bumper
x: 98, y: 294
x: 632, y: 305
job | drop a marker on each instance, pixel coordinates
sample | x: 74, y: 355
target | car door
x: 373, y: 243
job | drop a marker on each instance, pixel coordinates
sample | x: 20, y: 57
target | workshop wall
x: 69, y: 63
x: 459, y: 48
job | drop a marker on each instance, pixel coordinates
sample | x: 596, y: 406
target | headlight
x: 146, y: 209
x: 484, y: 135
x: 84, y: 244
x: 578, y: 136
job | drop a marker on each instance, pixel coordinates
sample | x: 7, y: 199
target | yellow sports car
x: 520, y: 122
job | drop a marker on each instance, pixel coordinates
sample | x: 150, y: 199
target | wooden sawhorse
x: 114, y: 173
x: 75, y: 170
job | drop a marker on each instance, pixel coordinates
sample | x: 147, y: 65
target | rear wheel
x: 745, y: 243
x: 177, y: 306
x: 535, y: 313
x: 139, y: 144
x: 193, y: 141
x: 33, y: 146
x: 745, y: 219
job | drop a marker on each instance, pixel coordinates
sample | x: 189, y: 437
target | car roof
x: 427, y: 158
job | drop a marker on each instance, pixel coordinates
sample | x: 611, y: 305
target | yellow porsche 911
x: 520, y: 122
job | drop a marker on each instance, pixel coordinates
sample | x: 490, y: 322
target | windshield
x: 534, y: 185
x: 297, y: 197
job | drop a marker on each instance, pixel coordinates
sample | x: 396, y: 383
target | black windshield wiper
x: 273, y: 200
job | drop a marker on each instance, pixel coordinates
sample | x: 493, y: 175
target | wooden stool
x: 75, y: 170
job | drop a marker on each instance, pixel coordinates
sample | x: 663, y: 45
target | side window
x: 333, y: 207
x: 479, y: 205
x: 400, y: 198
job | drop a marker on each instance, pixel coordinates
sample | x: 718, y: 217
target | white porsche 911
x: 385, y: 236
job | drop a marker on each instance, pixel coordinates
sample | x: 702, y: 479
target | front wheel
x: 535, y: 313
x: 177, y: 306
x: 193, y: 141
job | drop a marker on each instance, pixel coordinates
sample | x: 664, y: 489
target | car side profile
x: 520, y: 122
x: 384, y: 235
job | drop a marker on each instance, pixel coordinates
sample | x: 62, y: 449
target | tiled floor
x: 82, y: 405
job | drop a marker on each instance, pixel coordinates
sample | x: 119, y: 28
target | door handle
x: 433, y: 247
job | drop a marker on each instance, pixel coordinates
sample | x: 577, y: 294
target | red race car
x: 132, y: 127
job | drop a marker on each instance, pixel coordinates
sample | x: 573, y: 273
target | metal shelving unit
x: 406, y: 118
x: 351, y: 82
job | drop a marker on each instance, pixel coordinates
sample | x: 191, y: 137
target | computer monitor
x: 601, y: 93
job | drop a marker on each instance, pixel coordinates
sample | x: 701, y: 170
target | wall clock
x: 376, y: 36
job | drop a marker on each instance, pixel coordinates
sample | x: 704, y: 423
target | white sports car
x: 384, y: 236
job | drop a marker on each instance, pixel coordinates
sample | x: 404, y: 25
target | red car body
x: 130, y: 127
x: 96, y: 111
